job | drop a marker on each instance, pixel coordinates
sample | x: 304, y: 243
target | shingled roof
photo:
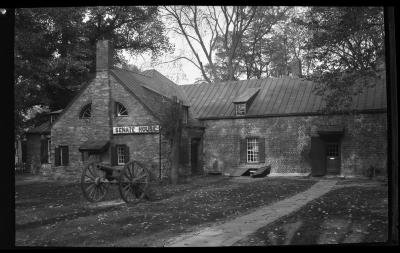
x: 277, y: 96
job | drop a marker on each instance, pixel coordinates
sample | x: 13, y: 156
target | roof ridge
x: 131, y: 71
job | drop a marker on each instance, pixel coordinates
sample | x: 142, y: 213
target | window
x: 48, y: 149
x: 120, y: 110
x: 53, y: 118
x: 332, y: 149
x: 185, y: 115
x: 61, y: 155
x: 252, y: 150
x: 120, y: 155
x: 45, y: 150
x: 86, y: 111
x: 240, y: 109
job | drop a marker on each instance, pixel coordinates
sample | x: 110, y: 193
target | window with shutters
x: 120, y: 154
x: 61, y: 156
x: 86, y: 111
x: 120, y: 110
x: 240, y: 109
x: 252, y: 150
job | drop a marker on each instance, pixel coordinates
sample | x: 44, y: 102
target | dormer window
x: 240, y: 109
x: 86, y: 111
x: 120, y: 110
x: 243, y: 101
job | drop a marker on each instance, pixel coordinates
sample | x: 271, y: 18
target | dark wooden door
x: 318, y: 155
x: 332, y: 158
x: 194, y: 161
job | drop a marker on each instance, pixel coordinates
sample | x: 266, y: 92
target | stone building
x: 35, y: 148
x: 228, y: 127
x: 278, y: 121
x: 116, y: 117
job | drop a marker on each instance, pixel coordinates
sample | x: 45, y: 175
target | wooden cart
x: 132, y: 180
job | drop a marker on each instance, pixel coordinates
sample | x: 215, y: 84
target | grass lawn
x: 50, y: 214
x: 353, y: 214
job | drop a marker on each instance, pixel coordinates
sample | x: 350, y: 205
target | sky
x: 181, y: 71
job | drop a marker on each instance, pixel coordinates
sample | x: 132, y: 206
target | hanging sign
x: 136, y: 129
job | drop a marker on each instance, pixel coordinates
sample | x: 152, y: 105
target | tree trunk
x: 176, y: 140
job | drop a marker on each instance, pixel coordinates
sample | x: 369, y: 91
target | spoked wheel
x: 94, y: 183
x: 133, y: 182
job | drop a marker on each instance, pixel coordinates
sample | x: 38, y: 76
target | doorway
x: 194, y: 155
x: 332, y: 158
x: 325, y: 155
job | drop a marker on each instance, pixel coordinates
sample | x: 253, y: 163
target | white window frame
x: 252, y: 150
x: 120, y: 155
x: 121, y: 107
x: 240, y: 109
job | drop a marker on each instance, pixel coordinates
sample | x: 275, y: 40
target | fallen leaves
x: 178, y: 208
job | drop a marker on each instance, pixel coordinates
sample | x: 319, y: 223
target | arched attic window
x: 86, y: 111
x: 120, y: 110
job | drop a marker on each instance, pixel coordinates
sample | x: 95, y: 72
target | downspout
x: 159, y: 151
x: 110, y: 113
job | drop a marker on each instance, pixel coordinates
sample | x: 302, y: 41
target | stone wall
x: 142, y: 147
x: 288, y: 142
x: 72, y: 131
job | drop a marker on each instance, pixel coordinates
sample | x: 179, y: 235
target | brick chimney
x: 104, y: 55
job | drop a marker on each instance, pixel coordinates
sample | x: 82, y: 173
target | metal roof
x: 276, y: 96
x: 246, y: 95
x: 153, y: 90
x: 94, y: 145
x: 56, y: 112
x: 134, y: 82
x: 165, y: 86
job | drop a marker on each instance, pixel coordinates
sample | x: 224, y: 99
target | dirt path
x: 228, y: 233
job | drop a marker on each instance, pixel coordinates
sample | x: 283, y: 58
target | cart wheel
x: 133, y: 182
x: 94, y: 184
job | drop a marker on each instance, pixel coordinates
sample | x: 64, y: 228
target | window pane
x: 332, y: 149
x: 121, y: 110
x: 240, y: 109
x: 120, y: 155
x: 86, y: 111
x: 252, y: 150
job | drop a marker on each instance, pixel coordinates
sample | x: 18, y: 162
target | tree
x: 171, y: 127
x: 55, y: 49
x: 348, y: 46
x: 256, y: 51
x: 216, y: 34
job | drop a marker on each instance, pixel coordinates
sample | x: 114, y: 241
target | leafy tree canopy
x: 55, y: 49
x: 347, y: 45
